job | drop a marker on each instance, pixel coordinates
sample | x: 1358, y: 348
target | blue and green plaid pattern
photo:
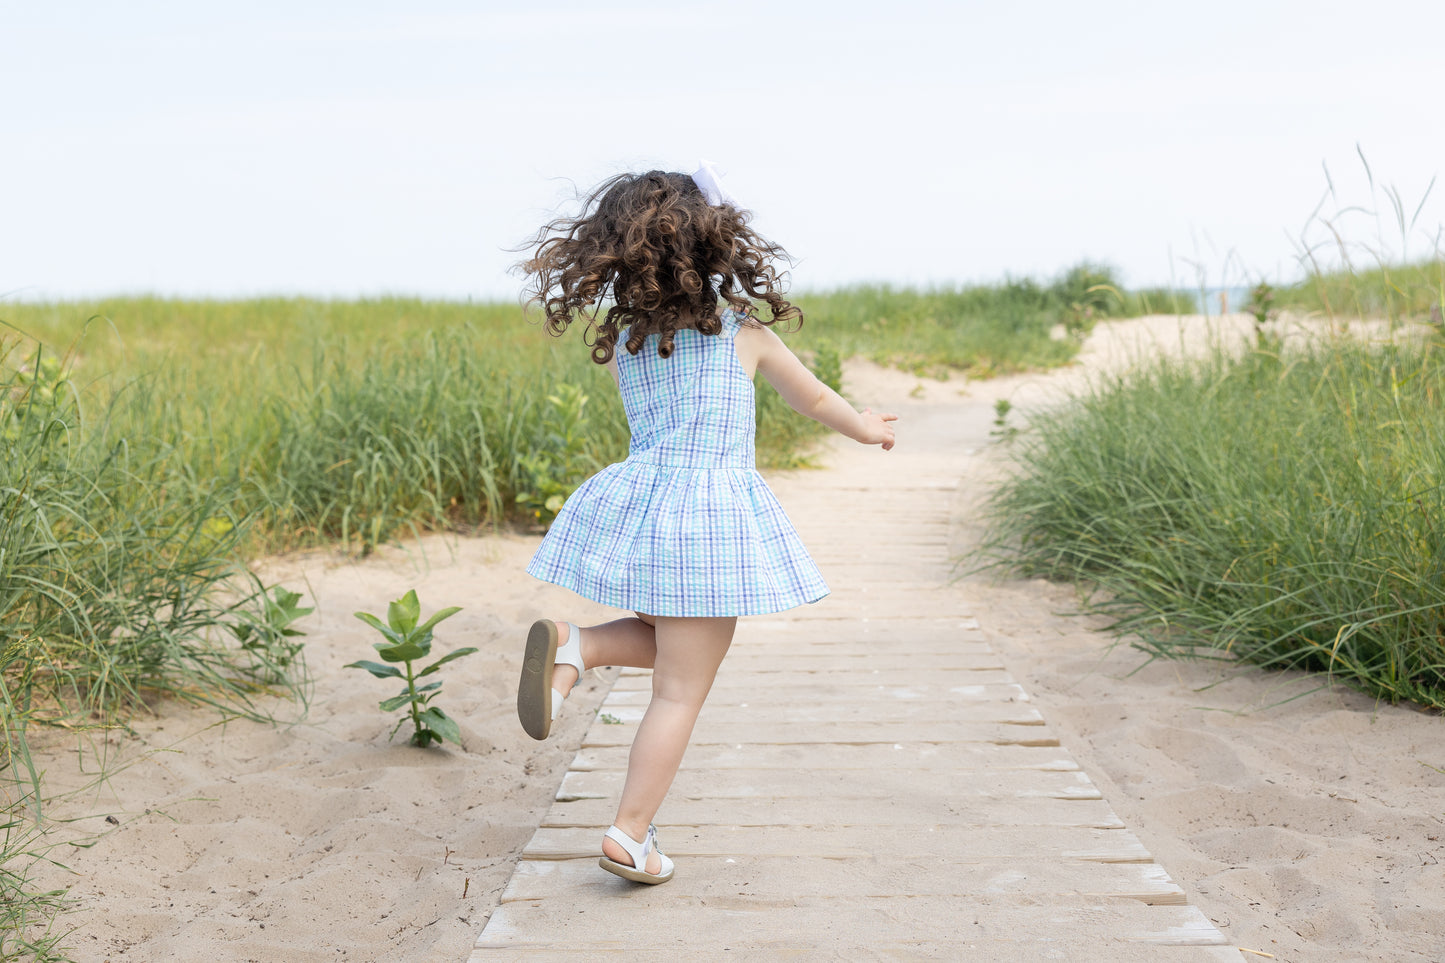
x: 685, y: 526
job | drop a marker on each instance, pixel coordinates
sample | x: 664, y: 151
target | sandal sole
x: 534, y: 688
x: 631, y: 872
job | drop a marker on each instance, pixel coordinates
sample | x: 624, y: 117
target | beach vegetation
x: 1282, y: 510
x: 29, y: 914
x: 1399, y: 293
x: 405, y: 642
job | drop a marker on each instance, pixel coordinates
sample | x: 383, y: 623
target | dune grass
x: 982, y: 330
x: 364, y: 421
x: 1406, y: 292
x: 120, y: 583
x: 1288, y: 512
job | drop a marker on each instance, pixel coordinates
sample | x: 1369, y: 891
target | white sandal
x: 538, y: 704
x: 637, y: 872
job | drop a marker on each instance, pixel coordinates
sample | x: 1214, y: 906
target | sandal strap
x: 638, y: 851
x: 571, y: 652
x: 568, y: 654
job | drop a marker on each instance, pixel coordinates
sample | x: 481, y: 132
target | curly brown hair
x: 652, y: 245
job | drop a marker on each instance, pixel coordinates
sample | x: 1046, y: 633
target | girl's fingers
x: 883, y: 419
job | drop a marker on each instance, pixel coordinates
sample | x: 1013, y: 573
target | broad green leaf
x: 455, y: 654
x: 442, y: 724
x: 424, y: 738
x: 376, y: 669
x: 396, y: 702
x: 407, y: 652
x: 379, y: 625
x: 432, y: 687
x: 443, y: 614
x: 403, y: 613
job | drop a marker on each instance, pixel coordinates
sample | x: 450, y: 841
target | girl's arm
x: 761, y: 349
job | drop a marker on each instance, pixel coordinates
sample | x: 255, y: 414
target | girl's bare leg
x: 628, y: 642
x: 688, y: 653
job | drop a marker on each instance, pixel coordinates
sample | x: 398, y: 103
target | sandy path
x: 1307, y: 828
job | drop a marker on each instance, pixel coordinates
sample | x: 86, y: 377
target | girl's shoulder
x: 753, y: 341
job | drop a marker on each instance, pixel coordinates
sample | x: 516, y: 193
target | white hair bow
x: 709, y: 180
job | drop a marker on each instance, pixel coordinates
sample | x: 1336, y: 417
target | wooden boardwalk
x: 867, y: 781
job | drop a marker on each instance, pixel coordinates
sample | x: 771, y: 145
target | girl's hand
x: 877, y: 429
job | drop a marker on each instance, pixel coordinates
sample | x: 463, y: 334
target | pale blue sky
x: 363, y: 148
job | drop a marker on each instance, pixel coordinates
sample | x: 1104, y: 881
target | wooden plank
x: 786, y: 717
x: 642, y: 678
x: 779, y: 784
x: 962, y: 758
x: 790, y: 877
x: 840, y: 927
x: 967, y: 844
x: 760, y: 733
x: 758, y: 660
x: 905, y: 809
x: 941, y: 696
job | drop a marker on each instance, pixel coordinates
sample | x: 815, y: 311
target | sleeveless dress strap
x: 732, y: 323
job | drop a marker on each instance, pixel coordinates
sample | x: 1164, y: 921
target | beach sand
x: 1306, y: 821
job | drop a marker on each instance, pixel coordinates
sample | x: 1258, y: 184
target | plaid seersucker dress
x: 685, y: 526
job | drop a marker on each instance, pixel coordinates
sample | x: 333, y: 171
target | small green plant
x: 828, y: 366
x: 1002, y: 430
x: 406, y: 642
x: 1261, y: 305
x: 553, y: 471
x: 608, y: 719
x: 31, y: 398
x: 1087, y: 292
x: 267, y: 635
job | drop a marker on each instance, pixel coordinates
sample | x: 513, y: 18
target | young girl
x: 684, y: 533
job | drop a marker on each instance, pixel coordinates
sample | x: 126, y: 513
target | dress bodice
x: 694, y: 409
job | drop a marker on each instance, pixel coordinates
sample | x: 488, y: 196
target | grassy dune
x: 1408, y: 292
x: 1285, y: 508
x: 361, y: 421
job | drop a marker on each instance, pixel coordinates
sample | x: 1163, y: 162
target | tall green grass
x: 1404, y: 292
x: 983, y: 330
x: 364, y: 421
x: 1285, y: 512
x: 119, y: 583
x: 118, y: 562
